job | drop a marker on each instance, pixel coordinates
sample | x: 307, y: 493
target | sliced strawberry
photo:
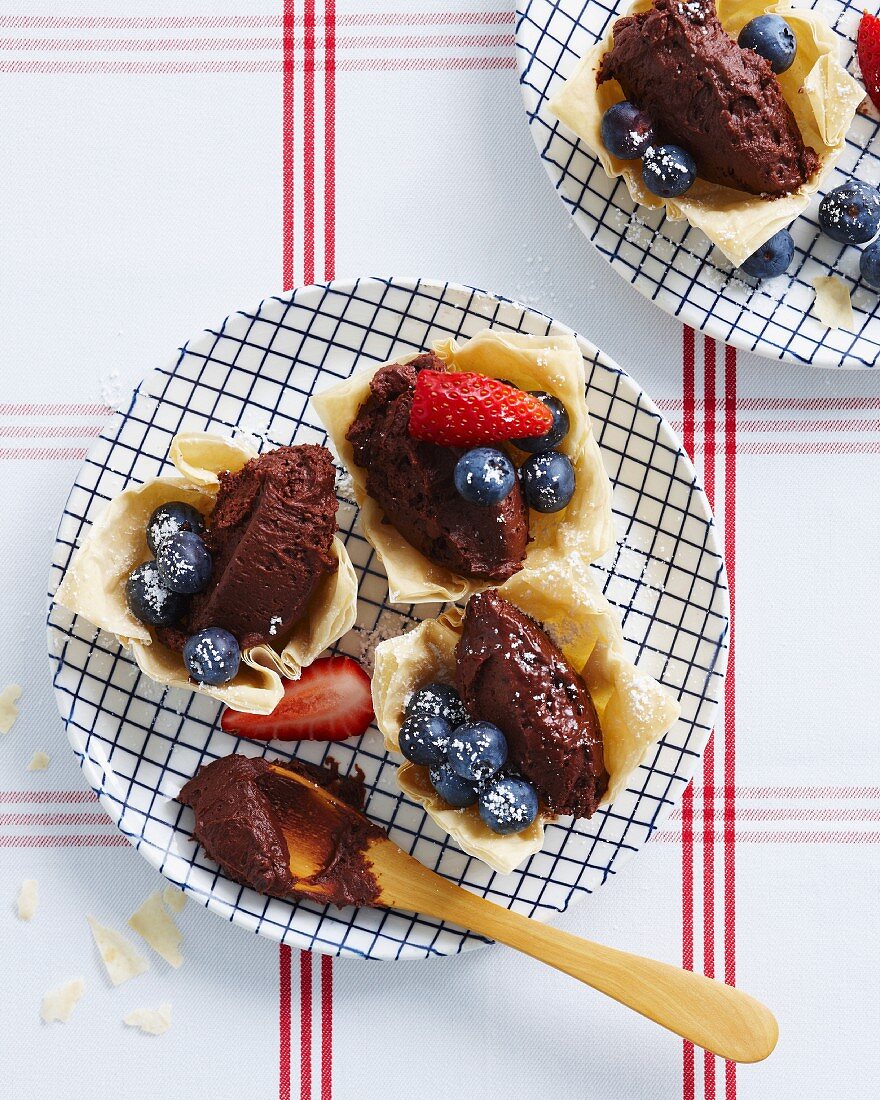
x: 464, y: 410
x: 329, y: 702
x: 868, y: 46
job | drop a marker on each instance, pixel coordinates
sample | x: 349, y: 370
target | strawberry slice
x: 868, y: 46
x: 464, y: 410
x: 329, y: 702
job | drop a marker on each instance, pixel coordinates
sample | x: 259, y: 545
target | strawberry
x: 868, y: 45
x: 465, y: 410
x: 329, y: 702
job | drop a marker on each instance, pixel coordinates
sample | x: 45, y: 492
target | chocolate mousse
x: 413, y: 483
x: 509, y: 672
x: 281, y: 836
x: 270, y: 535
x: 702, y: 91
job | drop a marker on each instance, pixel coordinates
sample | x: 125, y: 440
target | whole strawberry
x: 868, y: 46
x: 465, y: 410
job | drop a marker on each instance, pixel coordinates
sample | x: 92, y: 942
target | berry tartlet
x: 224, y: 578
x: 517, y: 709
x: 735, y: 112
x: 473, y: 463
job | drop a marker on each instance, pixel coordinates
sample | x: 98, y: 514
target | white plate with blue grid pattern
x: 138, y: 742
x: 671, y: 263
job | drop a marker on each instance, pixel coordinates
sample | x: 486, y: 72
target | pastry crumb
x: 9, y: 697
x: 151, y: 1021
x: 39, y: 762
x: 28, y: 899
x: 120, y: 959
x: 832, y: 305
x: 174, y: 899
x: 58, y: 1004
x: 153, y: 924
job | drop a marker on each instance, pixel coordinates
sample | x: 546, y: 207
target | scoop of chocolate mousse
x: 413, y: 483
x: 508, y: 671
x: 702, y: 91
x: 270, y: 535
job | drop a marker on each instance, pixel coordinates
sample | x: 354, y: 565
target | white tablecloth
x: 161, y: 168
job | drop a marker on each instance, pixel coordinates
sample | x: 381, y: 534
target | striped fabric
x: 165, y: 166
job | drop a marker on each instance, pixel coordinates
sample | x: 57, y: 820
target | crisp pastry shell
x: 823, y: 98
x: 94, y: 584
x: 634, y: 710
x: 583, y: 531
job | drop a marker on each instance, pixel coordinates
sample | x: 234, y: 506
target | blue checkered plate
x: 138, y: 742
x: 669, y: 262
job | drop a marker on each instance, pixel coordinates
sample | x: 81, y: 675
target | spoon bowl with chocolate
x: 298, y: 831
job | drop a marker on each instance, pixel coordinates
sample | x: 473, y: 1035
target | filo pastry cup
x: 582, y: 532
x: 634, y: 710
x: 94, y: 584
x: 821, y: 94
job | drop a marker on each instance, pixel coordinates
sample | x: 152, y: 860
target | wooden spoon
x: 722, y: 1019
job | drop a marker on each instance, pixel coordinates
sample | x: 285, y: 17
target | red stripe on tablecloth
x: 708, y: 808
x: 284, y: 1021
x: 77, y: 795
x: 52, y: 409
x: 786, y: 836
x: 305, y: 1025
x: 329, y: 139
x: 54, y: 819
x: 48, y: 431
x: 326, y: 1027
x: 267, y: 65
x: 309, y: 143
x: 730, y: 837
x: 687, y: 801
x: 768, y: 404
x: 287, y: 179
x: 197, y: 22
x: 21, y: 454
x: 425, y: 18
x: 104, y: 840
x: 230, y: 45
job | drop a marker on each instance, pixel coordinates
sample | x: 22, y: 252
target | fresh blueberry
x: 149, y: 600
x: 548, y: 481
x: 212, y: 656
x: 437, y: 701
x: 869, y: 265
x: 183, y: 562
x: 772, y: 258
x: 423, y: 739
x: 476, y: 751
x: 508, y: 805
x: 537, y: 444
x: 484, y: 476
x: 451, y: 787
x: 851, y: 213
x: 626, y: 131
x: 170, y: 518
x: 668, y: 170
x: 771, y: 37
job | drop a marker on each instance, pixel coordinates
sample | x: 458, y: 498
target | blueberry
x: 869, y: 265
x: 170, y: 518
x: 484, y: 476
x: 476, y: 751
x: 423, y: 739
x: 668, y: 170
x: 437, y: 701
x: 509, y: 805
x: 451, y: 787
x: 772, y: 258
x: 771, y: 37
x: 212, y: 656
x: 537, y: 444
x: 851, y: 213
x: 149, y: 600
x: 626, y: 131
x: 548, y: 481
x: 183, y: 562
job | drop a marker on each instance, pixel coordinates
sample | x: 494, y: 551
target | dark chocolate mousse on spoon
x: 292, y: 830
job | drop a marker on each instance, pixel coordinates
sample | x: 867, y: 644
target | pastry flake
x: 634, y: 710
x: 94, y: 584
x: 583, y: 531
x: 821, y: 94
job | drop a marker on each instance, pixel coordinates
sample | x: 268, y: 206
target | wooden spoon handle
x: 724, y: 1020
